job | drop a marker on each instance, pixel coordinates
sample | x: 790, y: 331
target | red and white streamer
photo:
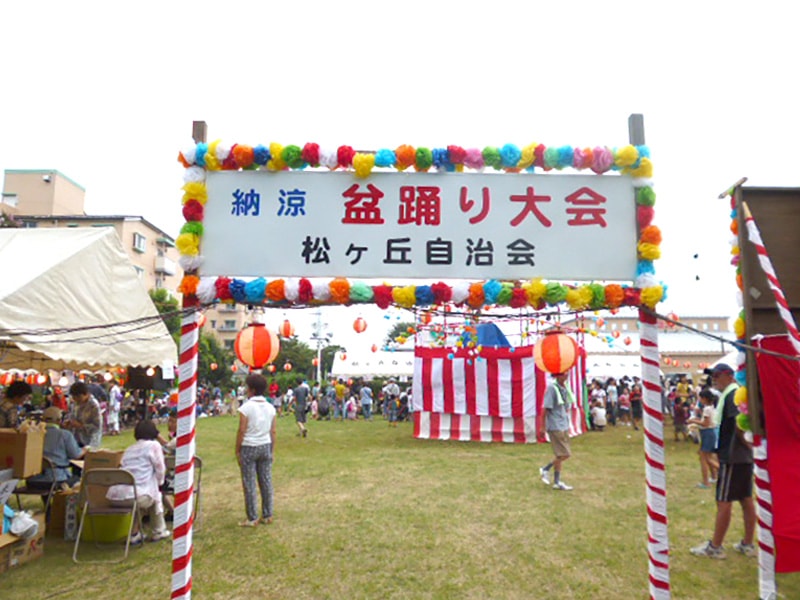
x: 184, y: 459
x: 658, y: 539
x: 767, y: 587
x: 754, y: 235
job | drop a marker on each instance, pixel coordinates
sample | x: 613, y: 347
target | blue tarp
x: 489, y: 335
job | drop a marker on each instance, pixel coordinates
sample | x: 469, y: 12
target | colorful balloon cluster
x: 740, y: 399
x: 633, y: 161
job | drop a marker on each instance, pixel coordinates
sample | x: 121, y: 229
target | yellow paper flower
x: 535, y: 290
x: 644, y: 170
x: 735, y: 250
x: 363, y: 164
x: 212, y: 162
x: 405, y: 296
x: 652, y: 295
x: 649, y: 251
x: 579, y: 298
x: 528, y: 156
x: 188, y: 244
x: 195, y: 190
x: 739, y: 328
x: 626, y: 156
x: 276, y: 163
x: 740, y: 397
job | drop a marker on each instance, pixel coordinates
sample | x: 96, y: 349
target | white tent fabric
x: 71, y: 299
x: 374, y: 364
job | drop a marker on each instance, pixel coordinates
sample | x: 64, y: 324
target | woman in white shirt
x: 255, y: 444
x: 145, y: 461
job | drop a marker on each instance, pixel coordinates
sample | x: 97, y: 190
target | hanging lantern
x: 600, y: 322
x: 687, y: 365
x: 360, y: 325
x: 150, y: 371
x: 315, y: 362
x: 672, y: 316
x: 287, y: 367
x: 675, y: 362
x: 234, y: 368
x: 425, y: 318
x: 627, y: 340
x: 63, y: 381
x: 615, y: 334
x: 6, y: 378
x: 271, y: 368
x: 214, y: 366
x: 286, y: 330
x: 108, y: 376
x: 41, y: 379
x: 256, y: 345
x: 556, y: 352
x: 374, y: 348
x: 201, y: 321
x: 343, y: 356
x: 30, y: 379
x: 667, y: 361
x: 349, y: 382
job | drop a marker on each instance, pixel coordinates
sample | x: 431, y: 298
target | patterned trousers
x: 257, y: 466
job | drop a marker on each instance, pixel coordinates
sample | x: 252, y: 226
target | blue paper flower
x: 236, y: 288
x: 200, y: 154
x: 491, y: 289
x: 254, y: 290
x: 261, y: 155
x: 510, y: 155
x: 424, y: 295
x: 385, y: 158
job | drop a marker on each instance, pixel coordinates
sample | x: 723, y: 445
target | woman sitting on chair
x: 145, y: 461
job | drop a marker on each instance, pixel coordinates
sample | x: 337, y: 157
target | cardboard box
x: 21, y: 452
x: 58, y: 512
x: 15, y: 551
x: 100, y: 459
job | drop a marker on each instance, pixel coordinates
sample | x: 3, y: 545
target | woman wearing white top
x: 255, y: 443
x: 145, y: 461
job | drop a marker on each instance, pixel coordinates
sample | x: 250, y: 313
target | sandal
x: 265, y: 520
x: 248, y: 523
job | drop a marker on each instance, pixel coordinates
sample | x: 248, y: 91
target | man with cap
x: 735, y: 479
x: 60, y: 447
x: 391, y: 394
x: 557, y: 401
x: 17, y: 394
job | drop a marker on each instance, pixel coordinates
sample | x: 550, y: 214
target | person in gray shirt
x: 557, y: 402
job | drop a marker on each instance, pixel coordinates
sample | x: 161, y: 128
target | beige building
x: 47, y: 198
x: 225, y: 321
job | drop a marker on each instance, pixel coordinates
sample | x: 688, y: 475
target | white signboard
x: 419, y: 225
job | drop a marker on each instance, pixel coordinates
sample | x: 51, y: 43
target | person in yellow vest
x: 557, y: 402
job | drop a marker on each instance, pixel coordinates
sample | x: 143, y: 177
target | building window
x: 229, y: 344
x: 139, y: 272
x: 624, y: 327
x: 139, y: 242
x: 10, y: 199
x: 705, y: 326
x: 213, y: 324
x: 229, y: 325
x: 613, y: 326
x: 716, y: 326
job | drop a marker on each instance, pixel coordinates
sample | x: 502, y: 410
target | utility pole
x: 322, y: 338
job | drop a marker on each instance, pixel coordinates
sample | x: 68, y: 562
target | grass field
x: 366, y: 511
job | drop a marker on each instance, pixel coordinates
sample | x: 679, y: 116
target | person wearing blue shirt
x: 60, y: 447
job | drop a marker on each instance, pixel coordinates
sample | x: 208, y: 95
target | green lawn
x: 366, y: 511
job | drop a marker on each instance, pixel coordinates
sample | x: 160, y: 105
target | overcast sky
x: 106, y: 93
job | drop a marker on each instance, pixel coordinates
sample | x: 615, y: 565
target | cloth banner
x: 496, y: 396
x: 779, y: 379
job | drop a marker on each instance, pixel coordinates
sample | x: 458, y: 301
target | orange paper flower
x: 189, y: 285
x: 276, y: 290
x: 340, y: 290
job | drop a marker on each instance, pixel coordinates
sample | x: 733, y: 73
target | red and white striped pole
x: 767, y: 586
x: 653, y: 421
x: 184, y: 458
x: 754, y: 235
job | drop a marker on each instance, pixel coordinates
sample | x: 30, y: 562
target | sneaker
x: 562, y: 486
x: 706, y: 549
x: 157, y: 537
x: 137, y: 539
x: 746, y: 549
x: 703, y: 486
x: 544, y: 476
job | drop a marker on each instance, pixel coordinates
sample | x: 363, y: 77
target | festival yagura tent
x: 71, y: 299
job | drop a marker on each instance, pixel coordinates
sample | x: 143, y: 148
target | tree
x: 212, y: 353
x: 328, y: 354
x: 169, y: 309
x: 399, y: 330
x: 299, y: 354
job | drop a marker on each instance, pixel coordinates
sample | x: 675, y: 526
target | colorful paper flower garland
x: 633, y: 161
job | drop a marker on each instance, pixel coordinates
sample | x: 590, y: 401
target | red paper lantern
x: 271, y: 368
x: 287, y: 367
x: 286, y: 329
x: 343, y: 356
x: 315, y: 362
x: 627, y: 340
x: 600, y: 322
x: 214, y: 366
x: 30, y: 379
x: 360, y: 325
x: 6, y: 379
x: 374, y: 348
x: 234, y: 368
x: 555, y: 353
x: 687, y: 365
x: 615, y: 334
x: 256, y: 345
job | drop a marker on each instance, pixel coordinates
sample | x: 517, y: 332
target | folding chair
x: 91, y: 507
x: 169, y: 461
x: 46, y: 494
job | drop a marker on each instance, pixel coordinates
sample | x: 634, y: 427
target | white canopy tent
x: 71, y: 299
x: 398, y: 364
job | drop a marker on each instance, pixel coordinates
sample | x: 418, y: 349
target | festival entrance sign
x: 276, y: 226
